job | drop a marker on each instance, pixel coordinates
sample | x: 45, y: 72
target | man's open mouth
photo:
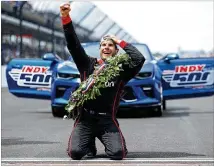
x: 106, y: 53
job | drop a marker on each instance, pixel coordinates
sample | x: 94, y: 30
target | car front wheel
x: 164, y: 104
x: 158, y: 111
x: 58, y: 111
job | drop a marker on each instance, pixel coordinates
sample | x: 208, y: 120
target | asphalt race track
x: 30, y: 135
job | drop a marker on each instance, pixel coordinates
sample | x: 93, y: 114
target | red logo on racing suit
x: 32, y: 76
x: 189, y: 75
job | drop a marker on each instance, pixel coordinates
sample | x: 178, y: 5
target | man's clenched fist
x: 65, y: 9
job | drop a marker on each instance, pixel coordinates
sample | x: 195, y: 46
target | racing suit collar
x: 100, y: 61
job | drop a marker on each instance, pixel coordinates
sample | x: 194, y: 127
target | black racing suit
x: 98, y: 117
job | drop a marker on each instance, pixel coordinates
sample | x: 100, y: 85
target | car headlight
x: 67, y: 76
x: 143, y: 75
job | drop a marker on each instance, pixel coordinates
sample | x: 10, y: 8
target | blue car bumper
x: 62, y: 89
x: 142, y: 93
x: 138, y: 93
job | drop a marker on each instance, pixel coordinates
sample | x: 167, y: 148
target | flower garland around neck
x: 112, y: 68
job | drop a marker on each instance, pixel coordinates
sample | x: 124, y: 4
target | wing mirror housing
x: 171, y: 56
x: 50, y: 57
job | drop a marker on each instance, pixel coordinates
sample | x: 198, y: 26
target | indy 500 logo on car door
x: 32, y: 76
x: 189, y: 75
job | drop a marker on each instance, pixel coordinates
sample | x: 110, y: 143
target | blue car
x: 159, y: 80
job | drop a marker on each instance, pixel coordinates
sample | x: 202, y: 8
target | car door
x: 31, y: 78
x: 186, y: 77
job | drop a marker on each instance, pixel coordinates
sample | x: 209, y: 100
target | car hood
x: 147, y: 67
x: 67, y: 67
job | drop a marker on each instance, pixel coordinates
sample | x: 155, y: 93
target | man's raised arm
x: 137, y: 59
x: 76, y: 50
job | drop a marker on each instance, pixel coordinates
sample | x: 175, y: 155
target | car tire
x: 164, y: 104
x: 158, y: 111
x: 58, y: 111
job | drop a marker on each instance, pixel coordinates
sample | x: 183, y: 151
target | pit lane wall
x: 3, y: 76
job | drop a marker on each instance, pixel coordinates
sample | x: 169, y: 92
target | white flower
x: 65, y: 117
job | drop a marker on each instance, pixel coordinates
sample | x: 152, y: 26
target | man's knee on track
x: 75, y: 153
x: 117, y: 154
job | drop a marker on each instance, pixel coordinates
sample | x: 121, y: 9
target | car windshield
x: 93, y: 50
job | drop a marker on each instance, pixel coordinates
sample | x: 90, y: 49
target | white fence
x: 3, y: 76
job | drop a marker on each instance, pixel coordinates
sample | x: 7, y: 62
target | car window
x: 93, y: 50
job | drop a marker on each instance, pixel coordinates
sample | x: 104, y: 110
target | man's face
x: 107, y: 49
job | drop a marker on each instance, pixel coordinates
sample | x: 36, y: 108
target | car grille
x: 128, y: 94
x: 60, y: 91
x: 148, y: 90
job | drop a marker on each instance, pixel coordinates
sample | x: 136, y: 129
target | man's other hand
x: 65, y: 9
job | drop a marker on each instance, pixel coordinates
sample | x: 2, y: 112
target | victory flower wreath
x: 90, y: 88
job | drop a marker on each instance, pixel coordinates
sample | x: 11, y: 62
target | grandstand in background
x: 31, y: 28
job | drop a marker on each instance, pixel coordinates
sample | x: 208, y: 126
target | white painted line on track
x: 103, y: 159
x: 108, y: 162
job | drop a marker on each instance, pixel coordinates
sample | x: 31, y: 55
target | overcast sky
x: 165, y: 25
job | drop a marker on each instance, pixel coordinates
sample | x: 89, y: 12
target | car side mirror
x: 50, y: 57
x: 171, y: 56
